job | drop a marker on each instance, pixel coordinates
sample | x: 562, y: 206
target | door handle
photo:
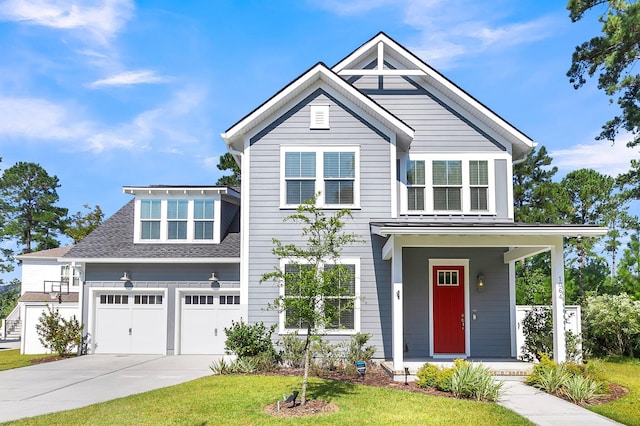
x: 462, y: 321
x: 215, y: 332
x: 129, y: 331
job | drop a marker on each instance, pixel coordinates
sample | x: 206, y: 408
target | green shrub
x: 545, y: 364
x: 580, y: 390
x: 474, y: 381
x: 427, y: 375
x: 443, y: 379
x: 249, y: 340
x: 355, y: 349
x: 58, y: 334
x: 221, y: 367
x: 611, y: 325
x: 552, y: 380
x: 326, y: 355
x: 292, y: 354
x: 265, y: 362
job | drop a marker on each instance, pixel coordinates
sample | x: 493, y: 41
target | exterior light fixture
x: 480, y: 282
x: 213, y: 278
x: 125, y: 277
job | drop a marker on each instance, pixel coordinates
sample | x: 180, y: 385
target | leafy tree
x: 307, y: 281
x: 611, y: 325
x: 612, y: 55
x: 80, y: 225
x: 9, y: 294
x: 533, y: 283
x: 227, y: 162
x: 628, y: 277
x: 592, y: 203
x: 536, y: 197
x: 27, y: 199
x: 57, y: 334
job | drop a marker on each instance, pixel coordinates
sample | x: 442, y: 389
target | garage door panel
x: 112, y: 330
x: 149, y: 331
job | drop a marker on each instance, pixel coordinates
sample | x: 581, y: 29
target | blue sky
x: 110, y: 93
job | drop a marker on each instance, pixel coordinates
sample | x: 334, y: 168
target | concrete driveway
x: 80, y: 381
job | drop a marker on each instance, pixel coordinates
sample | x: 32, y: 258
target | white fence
x: 572, y: 321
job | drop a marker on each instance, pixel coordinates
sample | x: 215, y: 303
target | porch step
x: 506, y: 367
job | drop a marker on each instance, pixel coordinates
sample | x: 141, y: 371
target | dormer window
x: 177, y: 219
x: 150, y: 219
x: 203, y: 217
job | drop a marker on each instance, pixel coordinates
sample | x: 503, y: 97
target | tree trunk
x: 307, y: 359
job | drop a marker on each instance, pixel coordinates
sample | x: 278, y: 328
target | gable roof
x: 112, y: 242
x: 234, y: 136
x: 381, y: 44
x: 53, y: 253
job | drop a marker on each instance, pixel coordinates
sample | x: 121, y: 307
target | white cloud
x: 130, y: 78
x: 601, y: 156
x: 165, y: 128
x: 102, y: 21
x: 33, y: 118
x: 452, y: 29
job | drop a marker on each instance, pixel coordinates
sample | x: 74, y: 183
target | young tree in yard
x: 80, y: 225
x: 612, y: 56
x: 316, y: 286
x: 27, y: 200
x: 227, y: 162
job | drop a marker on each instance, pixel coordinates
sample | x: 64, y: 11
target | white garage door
x: 131, y: 323
x: 203, y: 320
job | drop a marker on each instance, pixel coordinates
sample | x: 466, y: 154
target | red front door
x: 448, y: 310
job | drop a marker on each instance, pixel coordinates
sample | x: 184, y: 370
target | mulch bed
x: 378, y: 377
x: 49, y: 359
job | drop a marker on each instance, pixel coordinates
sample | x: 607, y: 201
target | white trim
x: 493, y: 231
x: 356, y: 304
x: 245, y: 235
x: 363, y: 72
x: 157, y: 260
x: 319, y: 178
x: 394, y: 176
x: 467, y: 336
x: 318, y: 72
x: 465, y: 195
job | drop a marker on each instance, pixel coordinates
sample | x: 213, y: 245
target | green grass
x: 240, y: 400
x: 12, y: 359
x: 626, y: 372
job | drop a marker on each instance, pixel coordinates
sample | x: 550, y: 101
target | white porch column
x: 396, y: 306
x: 557, y: 299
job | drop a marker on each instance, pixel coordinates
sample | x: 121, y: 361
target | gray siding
x: 229, y: 217
x: 266, y: 218
x: 158, y: 276
x: 490, y: 332
x: 502, y: 189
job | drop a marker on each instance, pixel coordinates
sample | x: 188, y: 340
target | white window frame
x: 429, y: 158
x: 164, y: 221
x: 356, y: 303
x: 319, y: 178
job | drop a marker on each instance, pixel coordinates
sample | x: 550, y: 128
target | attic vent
x: 319, y: 117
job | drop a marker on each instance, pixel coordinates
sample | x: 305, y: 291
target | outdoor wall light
x: 125, y: 277
x: 480, y: 282
x: 213, y: 278
x: 398, y: 294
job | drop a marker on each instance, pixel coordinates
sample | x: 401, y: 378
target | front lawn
x: 625, y: 372
x: 12, y: 359
x: 240, y: 400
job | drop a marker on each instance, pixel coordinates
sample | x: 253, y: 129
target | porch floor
x: 499, y: 366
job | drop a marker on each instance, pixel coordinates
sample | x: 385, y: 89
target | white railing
x: 10, y: 322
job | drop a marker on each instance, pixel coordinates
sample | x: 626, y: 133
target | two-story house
x: 160, y: 276
x: 426, y: 170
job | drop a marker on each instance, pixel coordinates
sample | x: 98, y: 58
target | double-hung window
x: 479, y: 185
x: 330, y: 171
x: 447, y: 185
x: 300, y: 176
x: 203, y: 215
x: 177, y: 219
x: 340, y: 307
x: 150, y: 219
x: 339, y: 177
x: 415, y: 185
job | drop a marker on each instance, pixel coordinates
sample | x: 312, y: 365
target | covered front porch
x: 443, y: 267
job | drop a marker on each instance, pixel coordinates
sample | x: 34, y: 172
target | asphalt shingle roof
x: 114, y: 239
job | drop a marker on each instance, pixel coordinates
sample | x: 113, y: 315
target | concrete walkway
x: 81, y: 381
x: 544, y: 409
